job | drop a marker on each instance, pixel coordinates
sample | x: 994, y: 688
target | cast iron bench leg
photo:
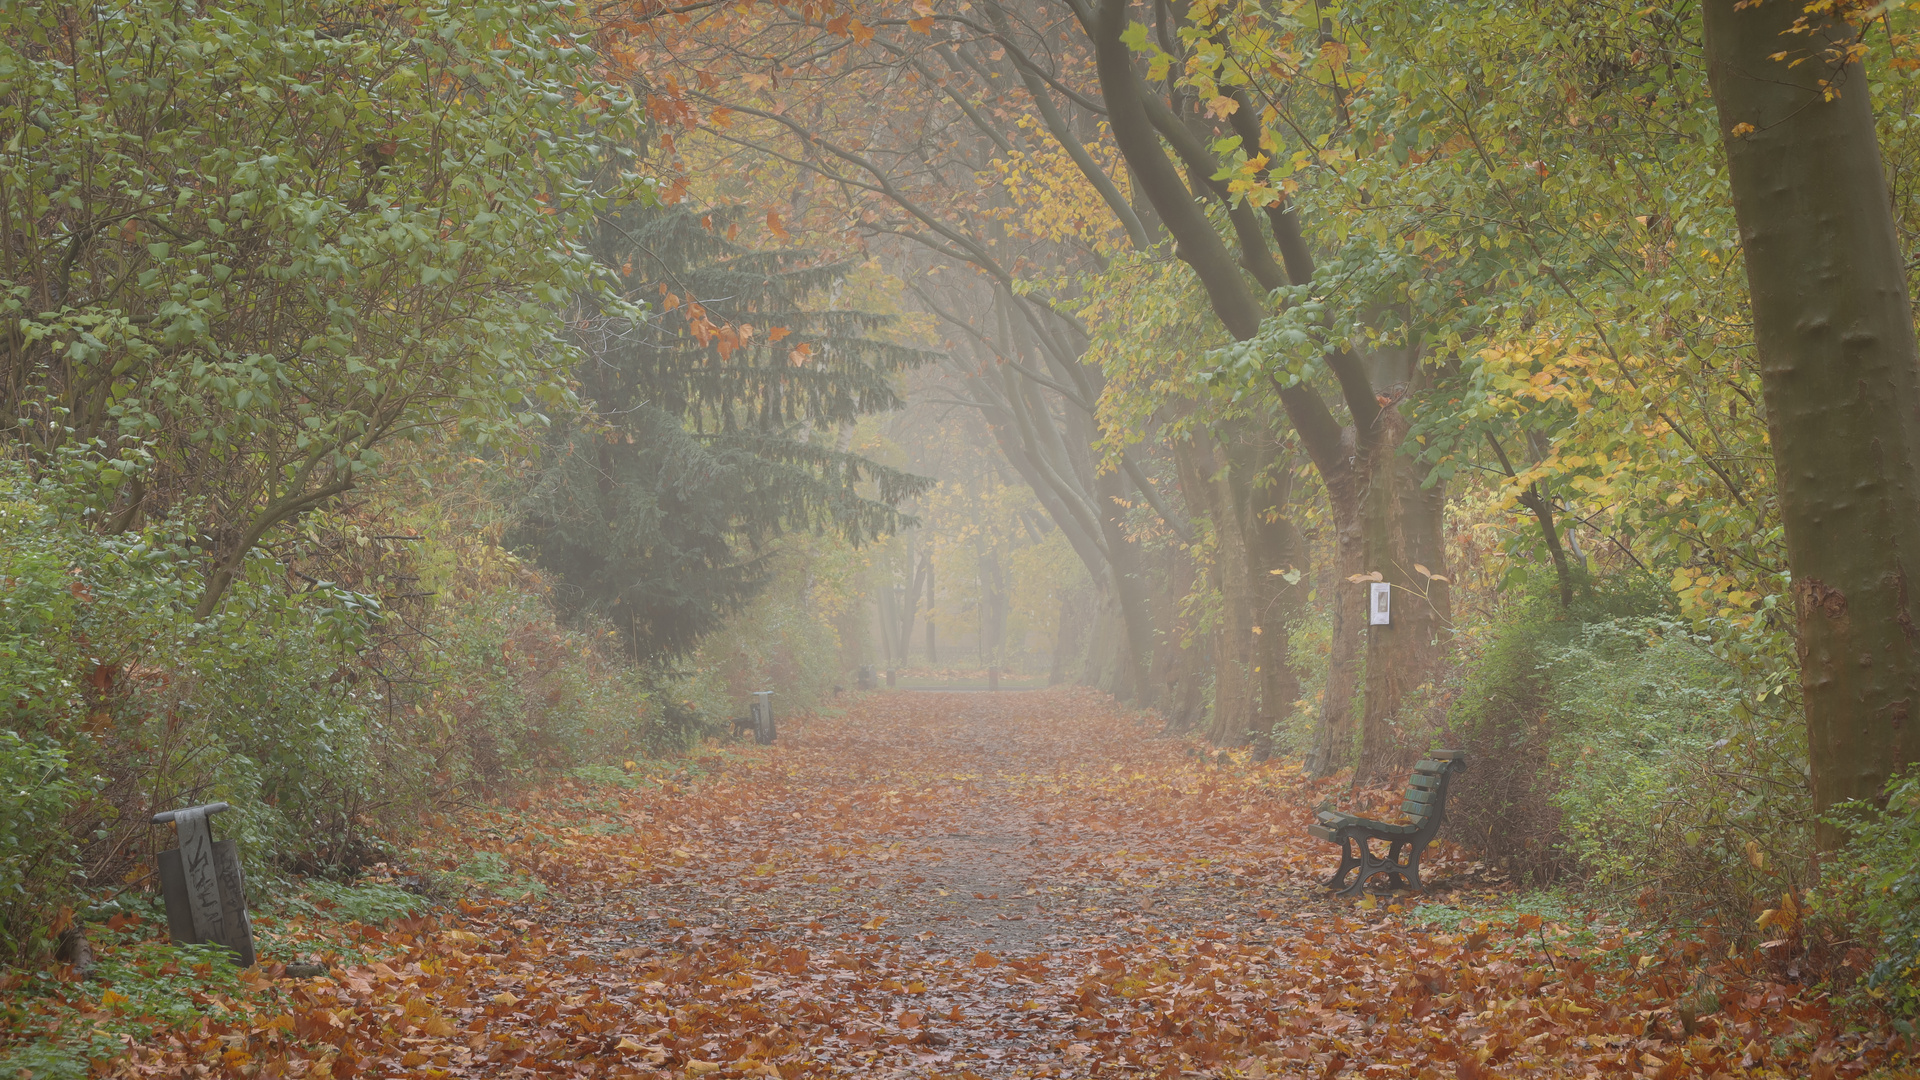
x: 1348, y: 861
x: 1366, y: 862
x: 1411, y: 876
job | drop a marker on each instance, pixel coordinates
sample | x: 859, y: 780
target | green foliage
x: 786, y: 641
x: 709, y: 430
x: 283, y: 703
x: 488, y: 872
x: 260, y: 242
x: 155, y: 986
x: 1875, y: 886
x: 1614, y: 741
x: 35, y: 850
x: 370, y: 902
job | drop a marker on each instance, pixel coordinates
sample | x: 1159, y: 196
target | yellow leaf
x: 505, y: 1000
x: 696, y: 1067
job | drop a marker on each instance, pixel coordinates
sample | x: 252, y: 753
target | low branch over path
x: 974, y: 885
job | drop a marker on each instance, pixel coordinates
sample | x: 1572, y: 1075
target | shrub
x: 36, y: 854
x: 327, y: 717
x: 1877, y: 890
x: 1673, y: 780
x: 1611, y: 741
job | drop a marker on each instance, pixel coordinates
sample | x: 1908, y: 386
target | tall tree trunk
x: 1404, y: 525
x: 1181, y: 663
x: 1833, y: 330
x: 1347, y: 458
x: 1333, y: 732
x: 1235, y: 708
x: 1274, y: 551
x: 1130, y: 594
x: 933, y: 654
x: 1070, y: 635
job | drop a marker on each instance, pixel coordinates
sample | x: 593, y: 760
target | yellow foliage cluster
x: 1051, y: 198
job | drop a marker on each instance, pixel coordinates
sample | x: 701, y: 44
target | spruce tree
x: 708, y: 429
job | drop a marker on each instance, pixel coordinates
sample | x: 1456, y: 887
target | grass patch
x: 488, y: 872
x: 370, y: 902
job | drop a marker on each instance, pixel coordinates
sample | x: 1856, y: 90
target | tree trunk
x: 933, y: 654
x: 1070, y: 635
x: 1234, y: 706
x: 1130, y: 594
x: 1274, y: 550
x: 1334, y: 728
x: 1833, y: 331
x: 1181, y: 662
x: 1404, y: 526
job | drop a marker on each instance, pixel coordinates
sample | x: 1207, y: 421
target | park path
x: 974, y: 885
x: 951, y: 866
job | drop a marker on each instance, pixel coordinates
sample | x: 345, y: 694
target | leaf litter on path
x: 977, y: 885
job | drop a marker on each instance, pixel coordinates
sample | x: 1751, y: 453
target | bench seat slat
x: 1422, y: 780
x: 1415, y: 795
x: 1368, y: 825
x: 1416, y: 810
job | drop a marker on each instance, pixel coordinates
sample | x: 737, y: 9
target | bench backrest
x: 1426, y: 801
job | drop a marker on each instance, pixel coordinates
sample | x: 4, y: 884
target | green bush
x: 36, y: 854
x: 786, y: 640
x: 1877, y: 890
x: 1613, y: 742
x: 327, y: 720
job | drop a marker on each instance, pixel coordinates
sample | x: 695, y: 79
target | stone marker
x: 201, y: 880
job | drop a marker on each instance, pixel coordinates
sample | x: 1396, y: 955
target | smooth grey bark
x: 1833, y: 331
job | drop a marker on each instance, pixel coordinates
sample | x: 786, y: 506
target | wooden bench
x: 1425, y: 805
